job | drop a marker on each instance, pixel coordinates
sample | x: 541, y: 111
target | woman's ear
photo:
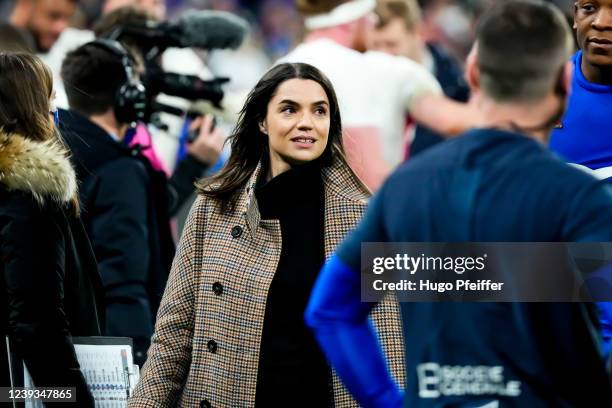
x: 263, y: 127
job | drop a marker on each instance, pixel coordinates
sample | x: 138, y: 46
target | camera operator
x: 176, y: 74
x: 126, y: 202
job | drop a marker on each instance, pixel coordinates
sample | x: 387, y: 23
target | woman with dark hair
x: 48, y: 275
x: 230, y: 329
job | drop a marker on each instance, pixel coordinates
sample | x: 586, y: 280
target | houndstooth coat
x: 205, y: 350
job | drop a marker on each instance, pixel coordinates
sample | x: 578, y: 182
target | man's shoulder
x: 495, y: 153
x: 124, y: 168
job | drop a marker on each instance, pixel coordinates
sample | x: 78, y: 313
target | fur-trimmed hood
x: 42, y: 169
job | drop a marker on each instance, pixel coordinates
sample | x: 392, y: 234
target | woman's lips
x: 303, y: 141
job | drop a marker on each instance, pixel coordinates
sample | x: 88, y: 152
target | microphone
x: 196, y: 29
x: 212, y: 30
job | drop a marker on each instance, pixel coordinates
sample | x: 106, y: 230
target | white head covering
x: 342, y: 14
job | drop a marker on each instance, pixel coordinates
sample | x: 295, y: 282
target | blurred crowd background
x: 277, y: 26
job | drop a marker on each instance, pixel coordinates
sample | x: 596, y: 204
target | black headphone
x: 131, y: 97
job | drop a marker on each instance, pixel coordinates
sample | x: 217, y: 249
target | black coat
x: 125, y: 212
x: 49, y: 280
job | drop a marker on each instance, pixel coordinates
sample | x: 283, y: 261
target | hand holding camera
x: 206, y: 140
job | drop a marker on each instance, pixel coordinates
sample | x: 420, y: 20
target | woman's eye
x: 320, y: 111
x: 288, y: 109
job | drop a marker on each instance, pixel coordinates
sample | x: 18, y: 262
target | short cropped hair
x: 92, y: 77
x: 406, y: 10
x: 522, y: 48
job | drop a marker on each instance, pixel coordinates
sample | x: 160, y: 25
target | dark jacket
x: 49, y: 279
x: 450, y: 76
x: 125, y: 211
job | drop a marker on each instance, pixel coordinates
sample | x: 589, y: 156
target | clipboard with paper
x: 108, y: 366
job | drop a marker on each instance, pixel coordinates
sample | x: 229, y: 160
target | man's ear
x: 263, y: 127
x: 472, y: 72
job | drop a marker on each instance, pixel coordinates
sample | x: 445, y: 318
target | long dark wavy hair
x: 249, y: 145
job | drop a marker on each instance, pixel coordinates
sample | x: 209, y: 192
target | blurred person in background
x: 156, y: 8
x: 583, y: 137
x: 244, y: 66
x: 166, y: 135
x: 397, y: 32
x: 47, y: 23
x: 126, y: 201
x: 230, y: 330
x: 49, y: 281
x: 14, y: 40
x: 43, y: 20
x: 188, y: 169
x: 450, y: 24
x: 281, y: 26
x: 467, y: 190
x: 375, y: 90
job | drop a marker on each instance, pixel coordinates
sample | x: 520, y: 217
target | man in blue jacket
x: 496, y: 183
x: 583, y: 135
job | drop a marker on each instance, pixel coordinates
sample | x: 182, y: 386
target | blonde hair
x: 406, y: 10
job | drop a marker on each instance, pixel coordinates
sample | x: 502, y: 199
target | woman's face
x: 297, y: 124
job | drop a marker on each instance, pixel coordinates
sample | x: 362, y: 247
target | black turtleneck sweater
x: 292, y: 369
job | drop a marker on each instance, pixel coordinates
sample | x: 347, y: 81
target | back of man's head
x: 92, y: 76
x: 523, y: 46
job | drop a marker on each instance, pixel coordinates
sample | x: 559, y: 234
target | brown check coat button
x: 217, y: 288
x: 212, y: 346
x: 205, y: 404
x: 237, y: 231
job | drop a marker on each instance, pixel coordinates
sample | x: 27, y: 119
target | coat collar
x: 90, y: 145
x: 340, y: 185
x: 42, y: 169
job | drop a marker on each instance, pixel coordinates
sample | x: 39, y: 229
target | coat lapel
x: 248, y: 203
x: 345, y: 202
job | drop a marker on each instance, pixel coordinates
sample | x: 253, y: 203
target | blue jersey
x: 584, y: 135
x: 493, y: 186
